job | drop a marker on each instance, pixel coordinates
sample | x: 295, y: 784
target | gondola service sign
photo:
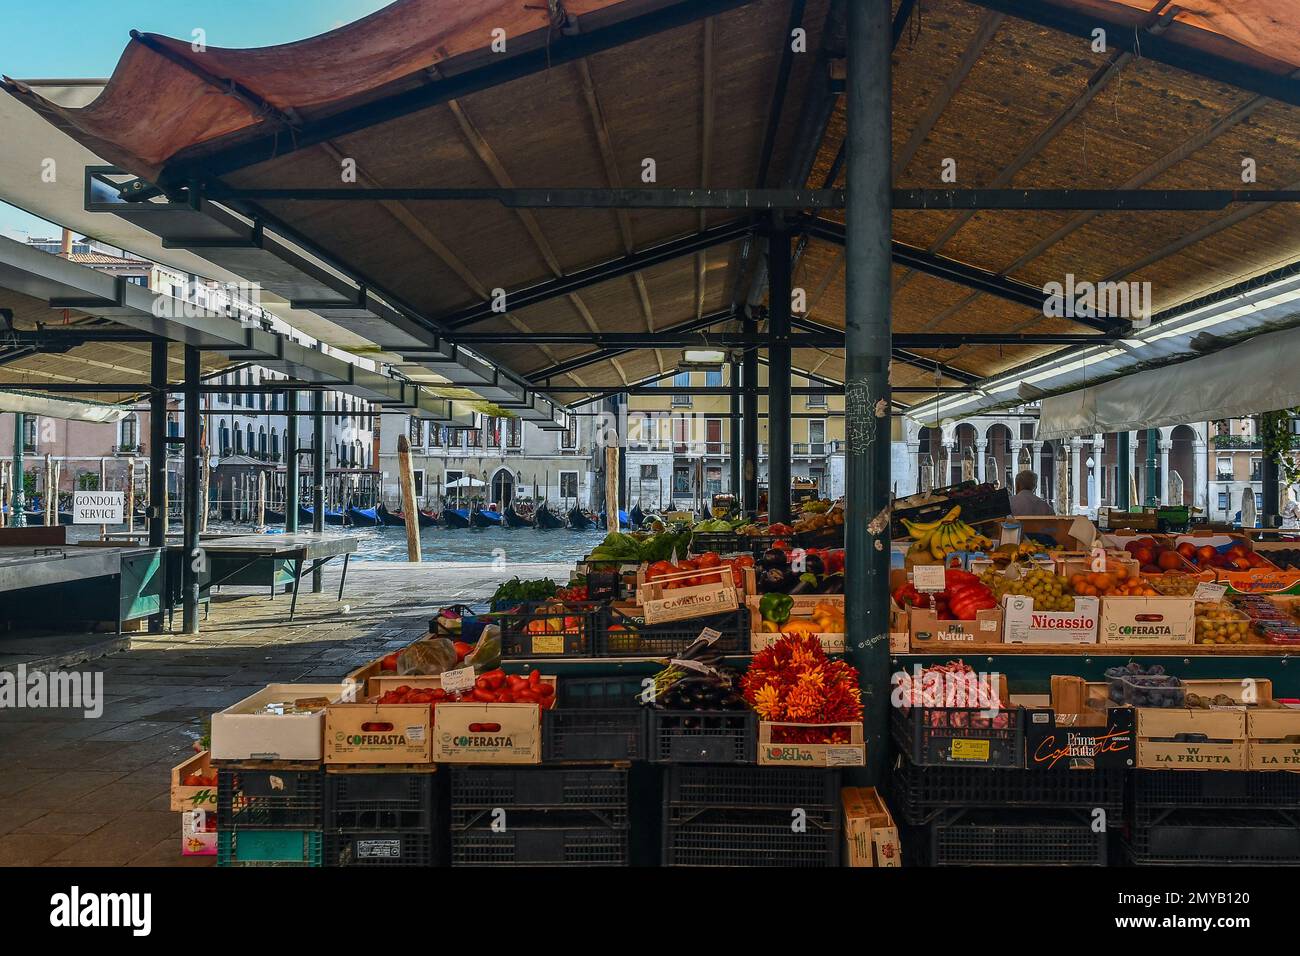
x: 98, y: 507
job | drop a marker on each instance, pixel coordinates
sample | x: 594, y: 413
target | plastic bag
x: 486, y: 655
x: 431, y: 656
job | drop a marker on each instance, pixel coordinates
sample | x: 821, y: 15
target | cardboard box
x: 1218, y: 739
x: 248, y: 731
x: 189, y: 797
x: 850, y: 754
x: 870, y: 834
x: 1070, y: 531
x: 1138, y: 621
x: 363, y: 733
x: 485, y: 733
x: 1022, y: 624
x: 1099, y: 739
x: 199, y: 832
x: 926, y: 631
x: 804, y: 606
x: 1071, y: 563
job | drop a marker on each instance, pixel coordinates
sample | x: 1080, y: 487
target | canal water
x: 465, y: 545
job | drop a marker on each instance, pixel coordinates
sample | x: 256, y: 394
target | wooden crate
x: 194, y: 798
x: 870, y: 834
x: 661, y: 605
x: 851, y: 754
x: 804, y: 605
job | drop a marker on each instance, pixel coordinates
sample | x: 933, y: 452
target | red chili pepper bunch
x: 793, y: 680
x: 490, y: 687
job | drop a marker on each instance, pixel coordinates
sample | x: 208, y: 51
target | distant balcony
x: 128, y: 449
x: 1223, y: 476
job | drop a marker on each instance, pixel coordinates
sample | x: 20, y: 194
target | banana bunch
x: 941, y: 538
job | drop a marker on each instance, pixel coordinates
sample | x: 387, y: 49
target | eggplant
x: 774, y: 558
x: 832, y: 584
x: 813, y: 564
x: 773, y: 579
x: 802, y: 586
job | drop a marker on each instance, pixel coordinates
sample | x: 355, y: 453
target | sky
x: 82, y: 39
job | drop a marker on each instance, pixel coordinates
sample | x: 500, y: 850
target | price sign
x: 929, y: 577
x: 1207, y: 593
x: 458, y: 680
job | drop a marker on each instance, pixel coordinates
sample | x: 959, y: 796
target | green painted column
x: 291, y: 477
x: 1122, y: 472
x: 867, y: 350
x: 1152, y: 469
x: 18, y: 519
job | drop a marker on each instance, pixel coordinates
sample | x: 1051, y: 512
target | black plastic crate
x: 961, y: 736
x: 781, y: 789
x: 622, y: 635
x: 722, y: 542
x: 1219, y: 788
x: 1239, y: 837
x: 532, y: 795
x: 380, y: 801
x: 1019, y: 838
x: 976, y: 505
x: 830, y: 537
x: 540, y: 846
x: 921, y: 794
x: 274, y: 799
x: 709, y: 736
x: 722, y: 836
x: 595, y: 718
x: 538, y: 629
x: 384, y: 847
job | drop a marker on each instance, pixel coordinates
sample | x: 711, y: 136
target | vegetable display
x: 516, y: 591
x: 811, y: 571
x: 695, y: 680
x: 794, y: 681
x: 955, y: 685
x: 492, y: 687
x: 619, y: 548
x: 964, y: 596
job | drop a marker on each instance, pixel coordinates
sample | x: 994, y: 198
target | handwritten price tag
x: 461, y: 679
x: 1208, y: 593
x: 929, y: 577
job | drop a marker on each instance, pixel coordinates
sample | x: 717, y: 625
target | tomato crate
x: 540, y: 846
x: 532, y: 795
x: 961, y: 736
x: 1022, y: 838
x: 784, y: 789
x: 268, y: 848
x: 923, y: 794
x: 703, y: 736
x: 1218, y: 837
x: 381, y: 800
x: 1169, y: 789
x: 269, y: 799
x: 541, y: 629
x: 595, y: 718
x: 375, y: 848
x: 625, y: 635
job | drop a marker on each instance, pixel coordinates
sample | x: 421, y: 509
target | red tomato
x: 389, y: 663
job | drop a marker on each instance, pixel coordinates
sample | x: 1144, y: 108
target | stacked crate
x: 1215, y: 817
x: 751, y: 816
x: 961, y: 785
x: 269, y: 813
x: 382, y: 816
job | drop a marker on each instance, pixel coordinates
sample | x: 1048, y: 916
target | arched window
x: 251, y: 446
x: 224, y: 432
x: 239, y: 442
x: 130, y: 432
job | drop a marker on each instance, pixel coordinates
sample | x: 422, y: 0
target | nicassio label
x: 1058, y: 623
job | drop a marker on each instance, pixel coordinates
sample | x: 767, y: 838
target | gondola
x: 387, y: 518
x: 272, y: 517
x: 545, y: 520
x: 364, y: 517
x: 515, y: 520
x: 455, y: 517
x: 332, y: 516
x: 579, y: 521
x: 623, y: 520
x: 304, y: 515
x: 481, y: 518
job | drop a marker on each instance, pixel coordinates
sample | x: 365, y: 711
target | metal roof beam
x: 1164, y: 49
x: 653, y: 341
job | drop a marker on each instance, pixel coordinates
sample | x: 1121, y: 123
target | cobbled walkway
x: 94, y: 792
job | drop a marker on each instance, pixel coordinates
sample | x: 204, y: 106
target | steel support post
x: 778, y: 371
x: 1268, y: 517
x: 749, y: 435
x: 1122, y: 477
x: 318, y: 477
x: 1153, y: 477
x: 156, y: 517
x: 17, y: 502
x: 193, y: 558
x: 733, y: 432
x: 867, y: 352
x: 291, y: 464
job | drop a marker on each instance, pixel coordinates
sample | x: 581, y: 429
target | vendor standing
x: 1025, y: 501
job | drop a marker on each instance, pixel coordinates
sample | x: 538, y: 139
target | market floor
x: 76, y: 791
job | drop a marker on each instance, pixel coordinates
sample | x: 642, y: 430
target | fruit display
x: 1050, y: 591
x: 1220, y: 623
x: 818, y: 521
x: 946, y: 536
x: 1006, y: 554
x: 964, y: 596
x: 1162, y: 554
x: 1116, y: 582
x: 1268, y: 619
x: 1173, y: 583
x: 1288, y: 559
x: 1144, y: 686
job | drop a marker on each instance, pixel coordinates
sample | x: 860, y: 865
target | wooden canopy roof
x: 1002, y: 88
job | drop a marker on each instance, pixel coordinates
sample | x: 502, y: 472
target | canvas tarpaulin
x: 1252, y: 378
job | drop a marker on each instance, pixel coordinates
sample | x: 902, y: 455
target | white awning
x: 1254, y: 377
x: 77, y: 411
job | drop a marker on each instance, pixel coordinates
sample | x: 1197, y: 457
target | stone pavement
x: 94, y: 792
